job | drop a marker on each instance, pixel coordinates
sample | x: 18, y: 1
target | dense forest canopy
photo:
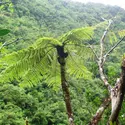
x: 30, y: 20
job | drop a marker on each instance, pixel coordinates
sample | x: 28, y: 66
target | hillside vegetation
x: 40, y: 103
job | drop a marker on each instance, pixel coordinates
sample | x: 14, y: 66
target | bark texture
x: 117, y: 96
x: 61, y: 59
x: 97, y: 117
x: 117, y: 92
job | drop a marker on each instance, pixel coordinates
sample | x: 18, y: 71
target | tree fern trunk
x: 66, y: 92
x: 61, y: 59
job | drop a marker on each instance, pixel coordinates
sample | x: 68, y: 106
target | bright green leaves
x: 76, y: 67
x: 4, y: 32
x: 77, y: 36
x: 112, y: 37
x: 112, y: 123
x: 7, y: 4
x: 46, y: 42
x: 39, y: 61
x: 30, y: 64
x: 11, y: 8
x: 101, y: 25
x: 121, y: 33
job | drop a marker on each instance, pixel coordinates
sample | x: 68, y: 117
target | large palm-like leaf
x: 39, y: 61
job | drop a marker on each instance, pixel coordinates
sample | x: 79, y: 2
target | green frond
x: 46, y: 41
x: 36, y: 51
x: 22, y: 61
x: 39, y: 61
x: 83, y: 51
x: 76, y: 67
x: 24, y: 68
x: 51, y: 74
x: 112, y: 37
x: 77, y: 35
x: 101, y: 25
x: 33, y: 76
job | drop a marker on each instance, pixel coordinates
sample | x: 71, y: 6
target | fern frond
x: 76, y: 67
x: 22, y: 67
x: 51, y: 74
x: 77, y: 35
x: 101, y: 25
x: 22, y: 61
x: 112, y: 37
x: 39, y: 61
x: 33, y: 76
x: 45, y: 41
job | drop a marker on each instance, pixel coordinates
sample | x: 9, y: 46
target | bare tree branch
x: 94, y: 52
x: 117, y: 92
x: 100, y: 63
x: 101, y: 58
x: 96, y: 118
x: 107, y: 54
x: 103, y: 38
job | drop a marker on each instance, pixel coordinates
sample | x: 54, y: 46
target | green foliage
x: 11, y: 115
x: 38, y: 62
x: 80, y: 34
x: 41, y: 104
x: 4, y: 32
x: 112, y: 123
x: 121, y: 33
x: 31, y: 20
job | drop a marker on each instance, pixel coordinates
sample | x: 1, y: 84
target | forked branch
x: 98, y: 115
x: 117, y: 92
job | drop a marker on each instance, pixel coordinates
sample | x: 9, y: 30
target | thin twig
x: 103, y: 38
x: 7, y: 44
x: 94, y: 52
x: 107, y: 54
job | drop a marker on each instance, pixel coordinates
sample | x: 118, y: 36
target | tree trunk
x: 66, y: 94
x: 61, y: 59
x: 117, y: 96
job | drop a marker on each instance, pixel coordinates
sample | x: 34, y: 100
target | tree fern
x: 39, y: 61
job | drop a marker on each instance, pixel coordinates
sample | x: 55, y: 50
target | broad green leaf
x: 4, y: 32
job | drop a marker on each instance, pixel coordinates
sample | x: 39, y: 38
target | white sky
x: 120, y: 3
